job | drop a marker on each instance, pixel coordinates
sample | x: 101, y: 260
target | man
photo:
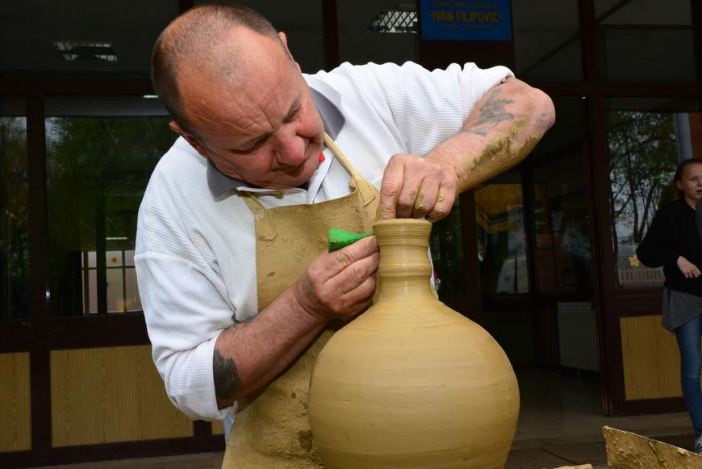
x: 237, y: 290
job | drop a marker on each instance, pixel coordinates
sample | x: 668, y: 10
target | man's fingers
x: 416, y: 187
x: 393, y: 180
x: 355, y: 274
x: 444, y: 203
x: 337, y: 261
x: 412, y: 196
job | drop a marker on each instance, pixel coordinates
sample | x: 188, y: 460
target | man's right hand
x: 340, y: 284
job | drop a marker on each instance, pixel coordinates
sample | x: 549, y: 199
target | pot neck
x: 404, y: 268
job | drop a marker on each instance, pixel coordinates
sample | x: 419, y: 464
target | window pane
x: 644, y: 41
x: 132, y: 299
x: 129, y: 257
x: 14, y: 233
x: 90, y: 292
x: 100, y: 154
x: 115, y: 291
x: 113, y: 259
x: 563, y: 249
x: 562, y: 225
x: 501, y: 238
x: 644, y: 150
x: 447, y: 254
x: 547, y: 40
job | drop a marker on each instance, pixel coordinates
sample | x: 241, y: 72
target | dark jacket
x: 672, y: 234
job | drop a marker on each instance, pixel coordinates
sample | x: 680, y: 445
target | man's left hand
x: 415, y: 187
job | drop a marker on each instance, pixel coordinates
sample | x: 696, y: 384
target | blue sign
x: 465, y: 20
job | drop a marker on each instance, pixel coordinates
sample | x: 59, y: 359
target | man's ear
x: 190, y: 138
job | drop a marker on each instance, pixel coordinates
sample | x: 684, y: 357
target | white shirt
x: 195, y: 246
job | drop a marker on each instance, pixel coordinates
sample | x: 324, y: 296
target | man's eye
x: 252, y: 148
x: 293, y: 114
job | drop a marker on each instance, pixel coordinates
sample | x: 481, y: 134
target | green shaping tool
x: 339, y: 238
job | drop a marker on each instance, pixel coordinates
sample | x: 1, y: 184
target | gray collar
x: 221, y: 185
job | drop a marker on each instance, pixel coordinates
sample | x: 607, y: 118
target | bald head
x: 201, y: 39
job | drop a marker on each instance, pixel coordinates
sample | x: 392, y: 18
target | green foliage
x: 97, y: 170
x: 643, y: 155
x: 14, y: 235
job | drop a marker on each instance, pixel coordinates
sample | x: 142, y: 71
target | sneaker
x: 698, y: 445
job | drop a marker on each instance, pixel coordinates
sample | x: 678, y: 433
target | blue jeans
x: 688, y: 336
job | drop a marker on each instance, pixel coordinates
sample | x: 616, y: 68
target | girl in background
x: 673, y: 242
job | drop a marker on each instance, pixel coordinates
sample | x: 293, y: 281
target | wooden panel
x: 105, y: 395
x: 15, y: 405
x: 651, y: 359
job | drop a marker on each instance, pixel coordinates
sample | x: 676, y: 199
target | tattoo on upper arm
x: 226, y: 378
x: 492, y: 113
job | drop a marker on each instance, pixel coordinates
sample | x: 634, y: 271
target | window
x: 646, y: 41
x: 14, y: 233
x: 547, y: 42
x: 447, y: 254
x: 560, y: 220
x: 645, y: 147
x: 100, y: 154
x: 501, y: 237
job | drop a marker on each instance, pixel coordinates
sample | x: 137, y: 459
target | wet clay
x: 411, y: 383
x: 498, y: 156
x: 626, y: 450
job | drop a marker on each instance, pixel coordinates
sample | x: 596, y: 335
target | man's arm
x: 338, y: 285
x: 505, y: 125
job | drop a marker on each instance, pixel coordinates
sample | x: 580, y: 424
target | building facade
x: 542, y: 256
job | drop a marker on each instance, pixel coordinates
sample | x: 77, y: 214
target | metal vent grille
x: 402, y: 20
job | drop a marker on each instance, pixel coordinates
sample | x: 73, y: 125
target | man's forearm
x: 504, y: 127
x: 249, y: 355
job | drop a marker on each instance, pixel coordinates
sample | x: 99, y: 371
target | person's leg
x: 688, y: 336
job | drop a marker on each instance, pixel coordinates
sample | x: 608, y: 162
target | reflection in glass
x: 547, y: 42
x: 447, y: 254
x: 562, y: 227
x: 14, y: 233
x: 501, y: 239
x: 643, y: 153
x: 121, y: 288
x: 98, y: 166
x: 646, y: 41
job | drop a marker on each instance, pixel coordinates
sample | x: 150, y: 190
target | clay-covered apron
x: 273, y: 431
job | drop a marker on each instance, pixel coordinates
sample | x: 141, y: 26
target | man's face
x: 260, y: 126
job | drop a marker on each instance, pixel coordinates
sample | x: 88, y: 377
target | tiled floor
x: 560, y: 424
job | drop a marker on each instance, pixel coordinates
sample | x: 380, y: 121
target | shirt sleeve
x: 184, y: 316
x: 424, y: 107
x: 183, y: 299
x: 656, y: 249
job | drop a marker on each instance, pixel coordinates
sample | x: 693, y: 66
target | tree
x: 14, y: 236
x: 642, y: 155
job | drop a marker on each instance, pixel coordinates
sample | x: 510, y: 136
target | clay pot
x: 411, y: 383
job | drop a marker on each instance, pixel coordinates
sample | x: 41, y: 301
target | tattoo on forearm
x: 226, y: 378
x: 491, y: 113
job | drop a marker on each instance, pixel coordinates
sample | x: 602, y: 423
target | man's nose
x: 290, y: 150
